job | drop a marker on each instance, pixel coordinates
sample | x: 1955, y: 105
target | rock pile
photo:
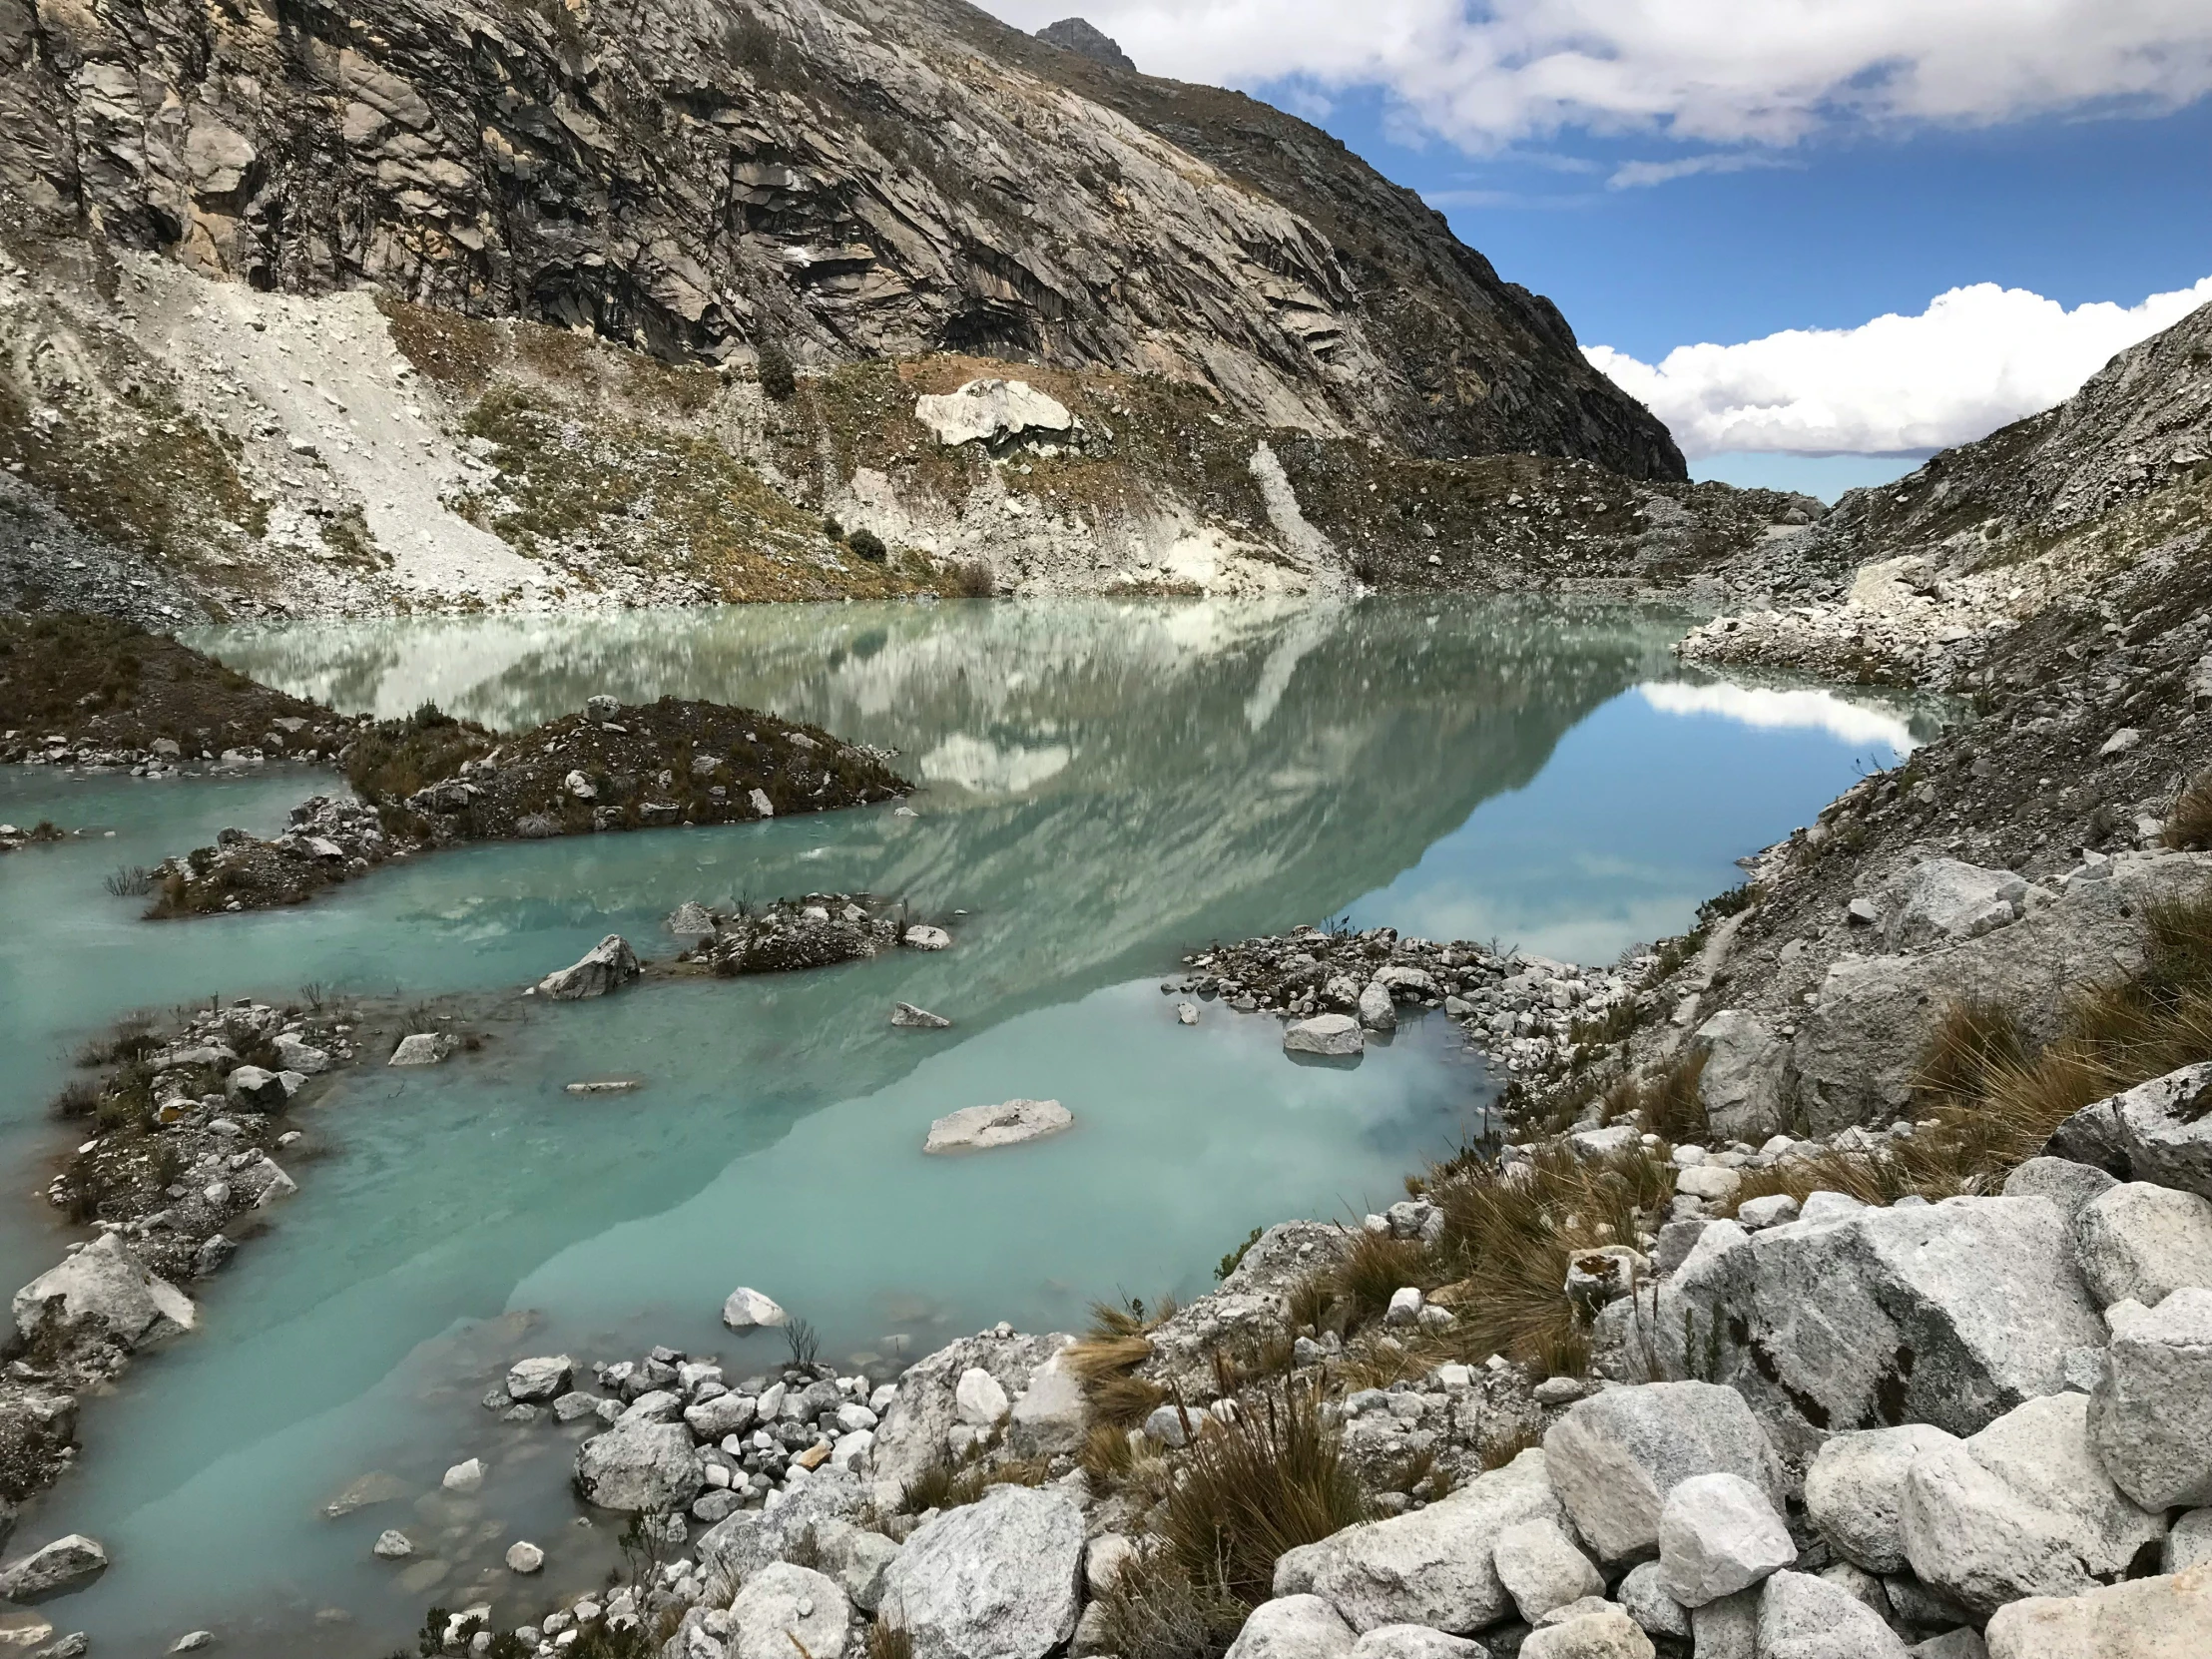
x: 816, y: 930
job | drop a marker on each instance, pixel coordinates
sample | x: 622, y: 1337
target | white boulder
x: 979, y: 1397
x: 1613, y: 1458
x: 1741, y: 1084
x: 422, y: 1048
x: 607, y: 966
x: 541, y: 1378
x: 2067, y: 1184
x: 745, y: 1309
x: 1804, y: 1617
x: 65, y: 1564
x: 2142, y: 1240
x: 1854, y: 1491
x: 106, y: 1287
x: 992, y: 411
x: 1541, y: 1569
x: 2150, y: 1414
x: 994, y: 1579
x: 2157, y: 1131
x: 1718, y: 1534
x: 1291, y: 1628
x: 981, y: 1128
x: 1332, y: 1035
x: 1643, y: 1596
x: 1376, y: 1011
x: 644, y: 1468
x: 1943, y: 901
x: 524, y: 1557
x: 1415, y: 1641
x: 2148, y: 1618
x: 785, y: 1610
x: 1604, y: 1632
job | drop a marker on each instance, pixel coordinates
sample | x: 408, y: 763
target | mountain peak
x: 1078, y: 35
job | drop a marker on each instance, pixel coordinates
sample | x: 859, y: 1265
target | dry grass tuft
x: 1106, y: 1359
x: 1375, y: 1268
x: 1153, y: 1610
x: 2189, y: 822
x: 948, y: 1483
x: 1667, y: 1102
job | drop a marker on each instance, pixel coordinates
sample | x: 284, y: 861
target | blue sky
x: 1981, y: 201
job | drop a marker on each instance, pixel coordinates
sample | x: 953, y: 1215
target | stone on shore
x: 539, y: 1378
x: 690, y: 922
x: 2150, y: 1414
x: 1335, y: 1035
x: 745, y: 1309
x: 106, y: 1287
x: 2021, y: 1508
x: 607, y: 966
x: 923, y: 937
x: 1950, y: 1313
x: 1541, y: 1569
x: 643, y: 1467
x: 52, y: 1570
x: 295, y: 1054
x: 1614, y: 1457
x: 911, y: 1018
x: 2140, y: 1240
x: 785, y: 1611
x: 1718, y: 1534
x: 1804, y: 1617
x: 1433, y: 1566
x: 250, y: 1089
x: 1854, y: 1491
x: 2147, y: 1618
x: 981, y: 1128
x: 1291, y: 1628
x: 422, y: 1048
x: 994, y: 1579
x: 1376, y: 1011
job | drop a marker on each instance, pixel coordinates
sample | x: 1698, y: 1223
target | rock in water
x: 995, y: 1579
x: 106, y: 1286
x: 980, y: 1128
x: 392, y: 1546
x: 422, y: 1048
x: 644, y: 1468
x: 64, y: 1564
x: 541, y: 1378
x: 690, y: 920
x: 1336, y: 1036
x: 607, y: 966
x: 745, y: 1308
x: 1376, y: 1011
x: 906, y: 1016
x: 524, y: 1557
x: 921, y: 938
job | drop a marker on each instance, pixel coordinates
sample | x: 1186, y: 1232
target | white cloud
x: 1711, y: 71
x: 1858, y: 724
x: 1642, y: 174
x: 1975, y: 360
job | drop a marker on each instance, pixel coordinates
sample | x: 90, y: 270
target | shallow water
x: 1106, y: 786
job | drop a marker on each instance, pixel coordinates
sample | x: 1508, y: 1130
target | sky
x: 1820, y: 238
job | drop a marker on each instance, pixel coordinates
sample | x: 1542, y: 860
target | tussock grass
x: 1106, y: 1357
x: 1154, y: 1610
x: 2189, y: 819
x: 948, y: 1482
x: 1375, y: 1268
x: 1667, y: 1102
x: 890, y: 1640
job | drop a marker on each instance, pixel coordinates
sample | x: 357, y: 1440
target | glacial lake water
x: 1105, y: 786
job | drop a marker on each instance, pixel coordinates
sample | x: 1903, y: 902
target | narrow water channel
x: 1105, y: 786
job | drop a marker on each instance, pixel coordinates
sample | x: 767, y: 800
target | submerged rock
x: 980, y: 1128
x: 422, y: 1048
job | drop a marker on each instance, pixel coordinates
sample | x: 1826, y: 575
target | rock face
x: 643, y: 1467
x: 1943, y: 901
x: 2024, y: 1508
x: 1614, y: 1458
x: 2151, y: 1412
x: 1950, y: 1313
x: 607, y: 966
x: 980, y: 1128
x: 995, y: 1579
x: 1073, y: 34
x: 1433, y: 1566
x: 106, y: 1287
x: 2150, y: 1618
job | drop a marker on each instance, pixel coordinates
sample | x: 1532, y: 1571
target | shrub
x: 868, y: 545
x: 128, y: 881
x: 1375, y: 1268
x: 2189, y: 820
x: 778, y: 378
x: 971, y: 579
x: 1669, y: 1102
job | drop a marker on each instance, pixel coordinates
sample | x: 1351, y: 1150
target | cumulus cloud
x: 1861, y: 724
x: 1975, y: 360
x: 1726, y: 71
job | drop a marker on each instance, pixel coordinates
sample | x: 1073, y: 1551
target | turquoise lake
x: 1104, y: 787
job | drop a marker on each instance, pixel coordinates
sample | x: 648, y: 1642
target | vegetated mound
x: 431, y: 781
x: 111, y: 688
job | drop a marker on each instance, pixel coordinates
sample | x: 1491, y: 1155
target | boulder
x: 1718, y: 1534
x: 1541, y: 1569
x: 1727, y: 1628
x: 2158, y: 1131
x: 1962, y: 1644
x: 785, y: 1610
x: 1854, y: 1491
x: 250, y: 1089
x: 296, y: 1054
x: 2148, y: 1618
x: 1376, y: 1011
x: 2188, y: 1541
x: 422, y: 1048
x: 2142, y: 1240
x: 820, y: 1508
x: 539, y: 1378
x: 690, y: 922
x: 1291, y: 1628
x: 1804, y: 1617
x: 911, y: 1018
x: 1742, y: 1083
x: 107, y: 1288
x: 63, y: 1565
x: 1774, y: 1209
x: 2151, y: 1415
x: 715, y: 1419
x: 1942, y: 902
x: 607, y: 966
x: 1643, y: 1593
x: 994, y: 1579
x: 1416, y: 1641
x: 979, y: 1398
x: 1433, y: 1566
x: 524, y: 1557
x: 2065, y: 1182
x: 1605, y: 1633
x: 2021, y: 1508
x: 644, y: 1468
x: 1613, y: 1458
x: 745, y: 1309
x: 1854, y: 1315
x: 991, y: 411
x: 980, y: 1128
x: 918, y: 1420
x: 392, y: 1545
x: 1335, y: 1035
x: 1051, y: 1416
x: 924, y: 938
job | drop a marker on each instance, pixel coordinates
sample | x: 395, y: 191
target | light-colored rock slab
x: 982, y: 1128
x: 2149, y: 1618
x: 2141, y: 1241
x: 2150, y: 1414
x: 1718, y: 1534
x: 1613, y: 1458
x: 994, y: 1579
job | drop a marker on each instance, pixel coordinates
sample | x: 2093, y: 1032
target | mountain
x: 842, y: 182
